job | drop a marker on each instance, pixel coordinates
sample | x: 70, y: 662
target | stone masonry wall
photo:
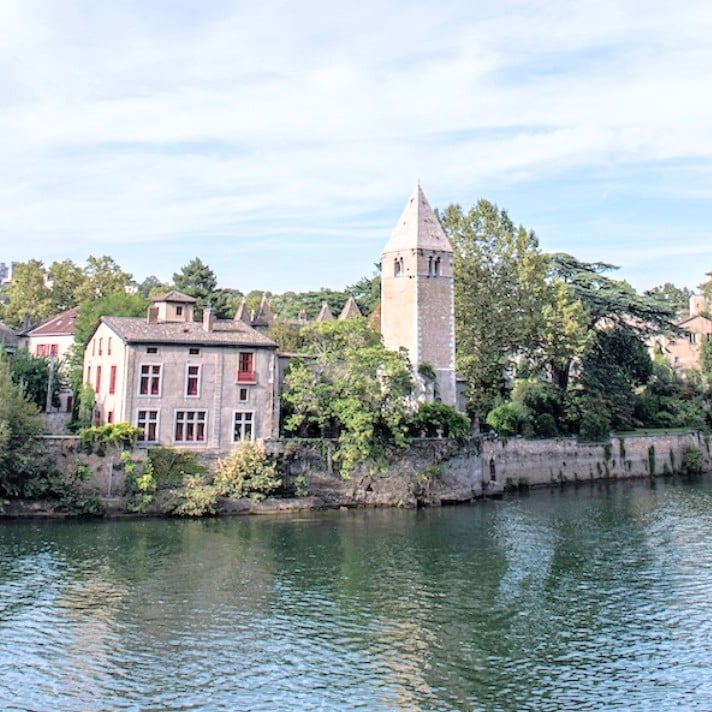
x: 565, y: 459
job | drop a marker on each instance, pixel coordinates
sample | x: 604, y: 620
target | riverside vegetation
x: 549, y: 346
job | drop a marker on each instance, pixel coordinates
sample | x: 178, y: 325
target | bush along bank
x: 111, y: 479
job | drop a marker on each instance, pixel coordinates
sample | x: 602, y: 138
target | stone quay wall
x: 432, y: 472
x: 539, y: 462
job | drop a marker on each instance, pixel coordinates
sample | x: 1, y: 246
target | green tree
x: 677, y: 297
x: 197, y: 280
x: 68, y: 283
x: 616, y: 363
x: 500, y: 287
x: 152, y: 286
x: 27, y: 295
x: 353, y: 385
x: 21, y: 451
x: 32, y: 372
x: 565, y: 333
x: 612, y: 302
x: 103, y: 277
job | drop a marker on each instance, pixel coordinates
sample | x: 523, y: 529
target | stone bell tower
x: 417, y: 294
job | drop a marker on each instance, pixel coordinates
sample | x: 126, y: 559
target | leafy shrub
x: 433, y: 417
x: 140, y: 489
x: 119, y: 434
x: 504, y: 419
x: 196, y: 498
x: 248, y: 471
x: 73, y: 497
x: 171, y: 466
x: 692, y: 460
x: 594, y: 426
x: 545, y: 426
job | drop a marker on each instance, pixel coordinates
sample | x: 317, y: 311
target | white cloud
x: 148, y: 123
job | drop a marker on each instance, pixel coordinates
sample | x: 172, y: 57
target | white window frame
x: 246, y: 390
x: 151, y: 375
x: 194, y: 419
x: 245, y: 422
x: 199, y: 380
x: 156, y: 420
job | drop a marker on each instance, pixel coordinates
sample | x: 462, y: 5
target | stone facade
x: 203, y: 385
x: 417, y: 294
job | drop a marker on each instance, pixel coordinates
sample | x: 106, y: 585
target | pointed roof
x: 243, y: 313
x: 324, y: 313
x: 418, y: 228
x: 350, y: 309
x: 264, y: 316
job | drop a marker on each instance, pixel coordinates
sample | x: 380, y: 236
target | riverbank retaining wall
x: 433, y: 471
x: 537, y: 462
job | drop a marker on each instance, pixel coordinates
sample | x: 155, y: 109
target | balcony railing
x: 245, y: 376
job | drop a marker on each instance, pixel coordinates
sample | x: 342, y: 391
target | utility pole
x: 50, y: 384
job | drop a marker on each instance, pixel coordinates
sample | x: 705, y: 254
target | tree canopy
x: 350, y: 387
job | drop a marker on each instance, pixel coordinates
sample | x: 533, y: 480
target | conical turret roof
x: 324, y: 313
x: 418, y: 228
x: 350, y: 309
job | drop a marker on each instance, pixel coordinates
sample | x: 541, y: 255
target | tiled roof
x: 174, y: 296
x: 224, y: 332
x: 60, y: 325
x: 418, y: 228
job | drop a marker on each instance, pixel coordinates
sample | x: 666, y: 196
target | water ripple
x: 587, y: 599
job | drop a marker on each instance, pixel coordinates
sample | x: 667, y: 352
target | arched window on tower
x: 397, y: 266
x: 436, y: 267
x: 430, y: 266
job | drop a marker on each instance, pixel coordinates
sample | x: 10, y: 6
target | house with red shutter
x: 198, y: 384
x: 53, y: 338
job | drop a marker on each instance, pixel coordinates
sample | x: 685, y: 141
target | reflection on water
x: 589, y: 598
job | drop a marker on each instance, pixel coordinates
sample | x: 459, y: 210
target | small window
x: 112, y: 380
x: 98, y: 379
x: 192, y: 381
x: 101, y: 345
x: 243, y: 395
x: 193, y: 351
x: 179, y: 311
x: 692, y: 336
x: 152, y: 350
x: 108, y: 346
x: 110, y: 416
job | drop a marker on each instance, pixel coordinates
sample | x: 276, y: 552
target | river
x: 597, y: 597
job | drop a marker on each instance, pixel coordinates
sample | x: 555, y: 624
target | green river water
x: 597, y: 597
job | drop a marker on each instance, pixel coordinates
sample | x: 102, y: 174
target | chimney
x: 208, y: 319
x: 26, y: 323
x: 152, y: 315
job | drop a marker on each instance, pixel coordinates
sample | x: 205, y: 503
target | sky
x: 279, y: 141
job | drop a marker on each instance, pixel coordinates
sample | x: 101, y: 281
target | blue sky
x: 279, y: 141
